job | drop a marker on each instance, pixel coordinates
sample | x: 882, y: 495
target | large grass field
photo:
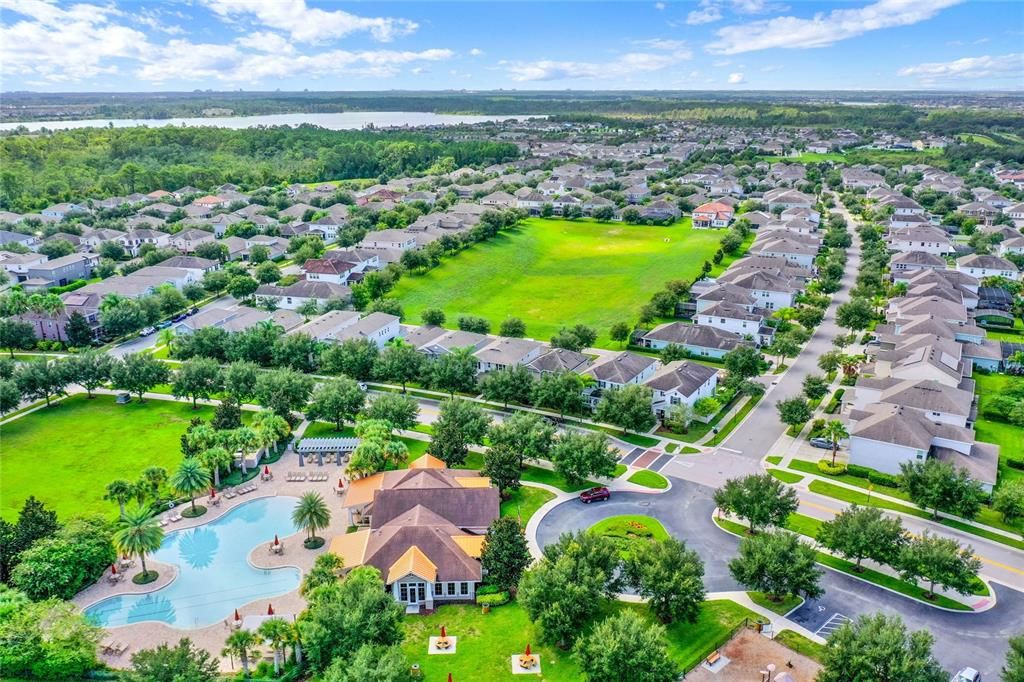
x: 556, y: 272
x: 485, y: 642
x: 65, y: 455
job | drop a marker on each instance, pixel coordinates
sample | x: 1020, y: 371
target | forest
x: 39, y: 170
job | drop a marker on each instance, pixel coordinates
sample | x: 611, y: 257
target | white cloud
x: 620, y: 67
x: 659, y: 6
x: 708, y: 12
x: 56, y: 44
x: 1005, y: 66
x: 310, y: 25
x: 736, y: 78
x: 475, y: 52
x: 265, y: 41
x: 823, y: 29
x: 676, y: 46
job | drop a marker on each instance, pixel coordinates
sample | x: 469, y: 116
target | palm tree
x: 240, y: 643
x: 119, y: 491
x: 835, y: 431
x: 139, y: 534
x: 246, y: 439
x: 215, y: 459
x: 155, y: 477
x: 53, y: 306
x: 190, y: 479
x: 274, y: 426
x: 311, y: 514
x: 279, y: 633
x: 166, y: 338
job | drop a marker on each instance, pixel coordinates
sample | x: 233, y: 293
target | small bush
x: 488, y: 589
x: 496, y: 599
x: 825, y: 467
x: 876, y: 477
x: 1015, y: 463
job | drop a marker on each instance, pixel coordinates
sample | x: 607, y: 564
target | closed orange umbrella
x: 270, y: 609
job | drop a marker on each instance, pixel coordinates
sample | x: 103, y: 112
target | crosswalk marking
x: 832, y: 624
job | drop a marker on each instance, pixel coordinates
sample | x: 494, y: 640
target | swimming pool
x: 214, y: 574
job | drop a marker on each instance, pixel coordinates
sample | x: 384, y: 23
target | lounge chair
x: 175, y: 517
x: 163, y: 521
x: 120, y: 649
x: 229, y: 493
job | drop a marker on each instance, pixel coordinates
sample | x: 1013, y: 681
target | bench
x: 713, y: 658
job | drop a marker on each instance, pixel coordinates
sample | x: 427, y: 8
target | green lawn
x: 66, y: 455
x: 619, y: 470
x: 1008, y: 437
x: 786, y: 476
x: 801, y: 645
x: 556, y: 272
x: 627, y: 530
x: 774, y: 459
x: 649, y: 479
x: 485, y: 642
x: 781, y: 607
x: 524, y: 502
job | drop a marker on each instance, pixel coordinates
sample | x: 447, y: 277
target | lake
x: 349, y: 120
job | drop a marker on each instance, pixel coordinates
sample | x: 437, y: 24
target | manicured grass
x: 1008, y: 437
x: 781, y: 607
x: 628, y: 530
x: 983, y: 140
x: 868, y: 574
x: 805, y: 525
x: 485, y: 642
x: 806, y: 157
x: 853, y: 496
x: 687, y: 450
x: 849, y: 479
x: 649, y: 479
x: 786, y: 476
x: 619, y: 470
x: 774, y: 459
x: 800, y: 644
x: 556, y: 272
x: 524, y: 502
x: 735, y: 420
x: 671, y: 447
x: 534, y: 474
x: 631, y: 438
x: 67, y: 454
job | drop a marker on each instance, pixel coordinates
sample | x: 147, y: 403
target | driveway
x: 961, y: 639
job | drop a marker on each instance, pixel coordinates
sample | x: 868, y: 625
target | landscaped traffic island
x: 552, y: 273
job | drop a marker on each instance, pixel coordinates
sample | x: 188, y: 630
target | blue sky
x: 143, y: 45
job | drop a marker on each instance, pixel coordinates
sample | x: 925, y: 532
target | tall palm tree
x: 246, y: 439
x: 279, y: 633
x: 215, y: 459
x: 240, y: 643
x: 36, y: 305
x: 274, y: 426
x: 190, y: 479
x: 311, y: 514
x: 138, y: 534
x: 53, y: 306
x: 166, y: 337
x: 155, y: 477
x: 119, y: 491
x: 835, y: 431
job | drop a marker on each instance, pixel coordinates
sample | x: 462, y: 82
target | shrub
x: 1015, y: 463
x: 825, y: 467
x: 876, y: 477
x: 488, y: 589
x: 496, y: 599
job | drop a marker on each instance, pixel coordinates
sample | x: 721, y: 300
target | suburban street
x: 961, y: 639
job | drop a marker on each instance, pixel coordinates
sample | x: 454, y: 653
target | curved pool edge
x: 177, y: 573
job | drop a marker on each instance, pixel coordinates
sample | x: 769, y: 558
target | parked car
x: 146, y: 331
x: 123, y: 399
x: 967, y: 675
x: 164, y: 325
x: 595, y: 495
x: 823, y: 443
x: 193, y: 310
x: 179, y: 317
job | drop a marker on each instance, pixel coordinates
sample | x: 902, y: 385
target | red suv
x: 595, y: 495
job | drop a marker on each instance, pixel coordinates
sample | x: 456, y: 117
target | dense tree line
x: 91, y: 162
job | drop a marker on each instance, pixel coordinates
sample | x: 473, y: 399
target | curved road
x: 961, y: 639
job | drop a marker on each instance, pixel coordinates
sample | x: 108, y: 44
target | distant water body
x: 349, y: 120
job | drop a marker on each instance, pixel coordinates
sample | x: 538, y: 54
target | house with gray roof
x: 681, y: 382
x: 699, y: 340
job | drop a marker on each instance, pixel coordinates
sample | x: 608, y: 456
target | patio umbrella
x: 266, y: 470
x: 113, y: 569
x: 528, y: 649
x: 270, y: 609
x: 341, y: 484
x: 276, y: 541
x: 213, y: 493
x: 302, y: 461
x: 443, y: 633
x: 237, y: 617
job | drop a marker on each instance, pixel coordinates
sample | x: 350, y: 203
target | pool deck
x: 150, y: 634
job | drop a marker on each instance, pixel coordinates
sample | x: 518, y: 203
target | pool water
x: 214, y: 574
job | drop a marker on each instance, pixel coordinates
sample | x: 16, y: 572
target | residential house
x: 295, y: 296
x: 681, y: 382
x: 507, y: 352
x: 983, y: 265
x: 713, y: 214
x: 699, y: 340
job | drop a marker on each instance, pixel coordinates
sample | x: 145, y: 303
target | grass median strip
x: 649, y: 479
x: 781, y: 607
x: 801, y: 645
x: 786, y: 476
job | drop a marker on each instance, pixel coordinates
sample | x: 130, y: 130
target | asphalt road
x: 762, y: 427
x: 961, y: 639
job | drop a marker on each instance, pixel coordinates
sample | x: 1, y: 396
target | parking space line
x: 835, y: 622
